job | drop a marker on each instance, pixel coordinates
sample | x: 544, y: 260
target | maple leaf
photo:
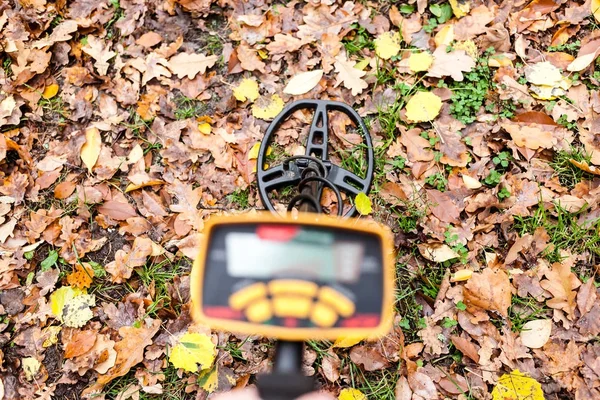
x: 349, y: 76
x: 99, y: 51
x: 189, y: 64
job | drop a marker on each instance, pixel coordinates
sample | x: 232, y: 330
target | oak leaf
x: 190, y: 64
x: 489, y: 290
x: 561, y: 283
x: 99, y: 51
x: 61, y: 33
x: 348, y: 75
x: 451, y: 64
x: 417, y: 147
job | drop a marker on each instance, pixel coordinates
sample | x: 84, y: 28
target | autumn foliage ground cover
x: 126, y: 124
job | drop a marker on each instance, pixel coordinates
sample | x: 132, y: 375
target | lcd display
x: 286, y: 251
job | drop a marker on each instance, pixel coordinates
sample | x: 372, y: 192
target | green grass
x: 358, y: 40
x: 54, y: 110
x: 568, y: 174
x: 240, y: 198
x: 173, y: 386
x: 160, y: 275
x: 565, y: 231
x: 523, y: 310
x: 188, y: 108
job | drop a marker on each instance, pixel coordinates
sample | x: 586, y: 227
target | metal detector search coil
x: 314, y: 277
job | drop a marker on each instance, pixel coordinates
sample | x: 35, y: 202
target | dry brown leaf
x: 467, y: 347
x: 417, y: 147
x: 489, y: 290
x: 189, y: 64
x: 82, y: 277
x: 80, y: 343
x: 330, y: 365
x: 586, y: 297
x: 149, y: 39
x: 422, y: 385
x: 130, y: 351
x: 64, y: 189
x: 451, y: 64
x: 349, y: 76
x: 561, y: 283
x: 117, y: 210
x: 99, y: 51
x: 61, y: 33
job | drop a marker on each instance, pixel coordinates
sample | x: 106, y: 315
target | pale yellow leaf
x: 30, y: 366
x: 190, y: 64
x: 581, y: 63
x: 460, y: 8
x: 350, y: 76
x: 50, y: 91
x: 246, y: 90
x: 451, y: 64
x: 423, y: 106
x: 77, y: 312
x: 91, y: 149
x: 209, y: 379
x: 437, y: 252
x: 419, y: 62
x: 60, y: 297
x: 535, y: 334
x: 387, y: 45
x: 596, y: 9
x: 517, y: 385
x: 191, y: 350
x: 304, y: 82
x: 470, y: 182
x: 543, y: 73
x: 461, y: 275
x: 352, y: 394
x: 267, y: 108
x: 132, y: 186
x: 363, y: 204
x: 444, y: 37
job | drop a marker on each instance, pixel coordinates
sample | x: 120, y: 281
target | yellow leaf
x: 468, y: 46
x: 348, y: 341
x: 246, y: 90
x: 91, y: 149
x: 543, y: 73
x: 423, y: 106
x: 304, y: 82
x: 77, y: 312
x: 460, y: 8
x: 60, y: 297
x: 499, y: 60
x: 517, y: 385
x: 445, y: 36
x: 253, y: 153
x: 267, y: 108
x: 192, y: 349
x: 461, y: 275
x: 387, y: 45
x: 596, y: 9
x: 363, y: 204
x: 205, y: 128
x: 419, y: 62
x: 352, y: 394
x: 50, y: 91
x: 209, y: 379
x: 31, y: 366
x: 52, y: 339
x: 263, y: 54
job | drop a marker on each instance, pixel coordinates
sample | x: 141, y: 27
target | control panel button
x: 323, y: 316
x: 293, y: 286
x: 292, y: 306
x: 240, y: 299
x: 259, y: 311
x: 344, y: 306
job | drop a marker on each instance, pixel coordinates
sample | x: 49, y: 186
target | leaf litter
x: 121, y: 135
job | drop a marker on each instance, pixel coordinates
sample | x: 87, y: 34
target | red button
x: 361, y: 321
x: 280, y: 233
x: 222, y: 312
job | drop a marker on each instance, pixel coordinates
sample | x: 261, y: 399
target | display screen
x: 291, y: 251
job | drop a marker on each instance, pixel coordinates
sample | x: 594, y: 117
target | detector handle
x: 286, y: 381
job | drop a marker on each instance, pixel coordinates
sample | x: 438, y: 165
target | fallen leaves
x: 72, y: 306
x: 304, y: 82
x: 99, y: 51
x: 561, y: 283
x: 387, y: 45
x: 91, y: 148
x: 489, y: 290
x: 423, y: 106
x: 517, y: 385
x: 193, y: 351
x: 363, y: 204
x: 190, y: 64
x: 536, y: 333
x: 267, y: 108
x: 246, y: 90
x: 350, y: 76
x: 451, y: 64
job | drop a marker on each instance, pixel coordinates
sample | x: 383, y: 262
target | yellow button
x: 259, y: 311
x: 293, y: 286
x: 323, y: 316
x: 341, y: 303
x: 240, y: 299
x: 292, y: 306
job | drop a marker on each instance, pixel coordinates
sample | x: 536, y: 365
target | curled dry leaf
x: 489, y: 290
x: 437, y: 252
x: 535, y: 334
x: 91, y: 149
